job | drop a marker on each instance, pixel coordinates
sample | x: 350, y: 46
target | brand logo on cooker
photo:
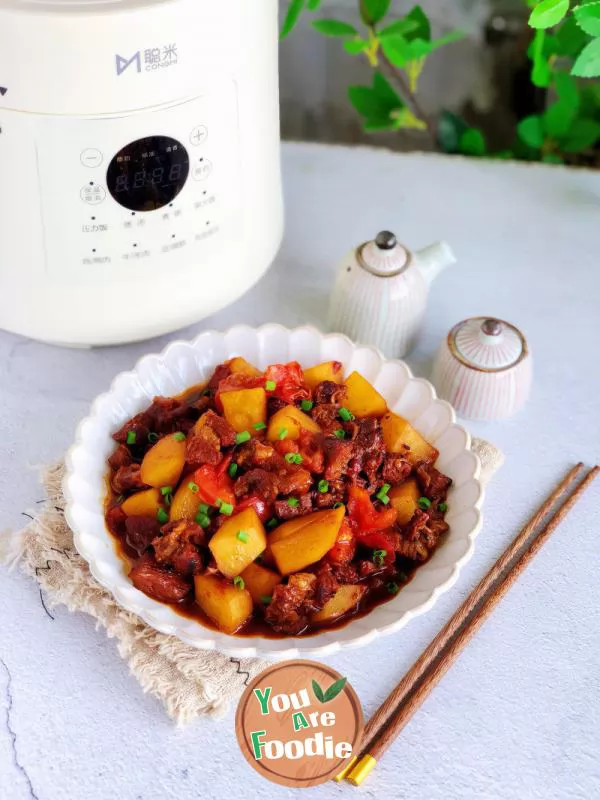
x: 148, y: 60
x: 299, y: 723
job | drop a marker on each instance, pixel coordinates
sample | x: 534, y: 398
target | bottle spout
x: 433, y: 259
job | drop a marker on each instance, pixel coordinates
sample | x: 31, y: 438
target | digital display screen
x: 149, y: 173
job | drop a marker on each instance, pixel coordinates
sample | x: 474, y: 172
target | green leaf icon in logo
x: 331, y: 693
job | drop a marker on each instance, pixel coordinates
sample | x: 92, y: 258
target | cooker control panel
x: 142, y: 192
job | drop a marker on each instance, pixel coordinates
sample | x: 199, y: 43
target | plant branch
x: 410, y: 99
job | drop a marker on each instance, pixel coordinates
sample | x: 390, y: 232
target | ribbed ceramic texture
x: 488, y: 351
x: 386, y: 311
x: 384, y: 261
x: 481, y: 395
x: 183, y: 364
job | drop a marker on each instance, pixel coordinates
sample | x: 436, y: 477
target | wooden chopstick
x: 408, y: 695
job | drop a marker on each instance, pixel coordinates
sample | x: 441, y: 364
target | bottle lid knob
x: 386, y: 240
x: 491, y: 327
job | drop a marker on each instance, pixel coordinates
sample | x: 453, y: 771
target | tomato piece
x: 380, y: 540
x: 289, y: 382
x: 214, y: 484
x: 343, y: 550
x: 263, y: 509
x: 364, y: 514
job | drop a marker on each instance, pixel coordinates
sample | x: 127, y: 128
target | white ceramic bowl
x: 183, y: 364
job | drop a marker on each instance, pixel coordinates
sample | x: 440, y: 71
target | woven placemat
x: 187, y: 681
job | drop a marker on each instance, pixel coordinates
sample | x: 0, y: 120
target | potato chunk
x: 363, y: 400
x: 404, y: 499
x: 222, y: 602
x: 143, y: 504
x: 290, y: 421
x: 185, y: 502
x: 164, y: 462
x: 239, y: 366
x: 260, y: 582
x: 327, y: 371
x: 400, y: 437
x: 346, y: 598
x: 239, y: 540
x: 295, y: 546
x: 245, y: 408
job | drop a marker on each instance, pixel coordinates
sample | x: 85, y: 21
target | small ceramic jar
x: 483, y: 369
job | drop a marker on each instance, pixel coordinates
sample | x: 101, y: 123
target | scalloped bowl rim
x: 161, y: 617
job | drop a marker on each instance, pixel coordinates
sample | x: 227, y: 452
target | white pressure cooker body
x: 139, y: 163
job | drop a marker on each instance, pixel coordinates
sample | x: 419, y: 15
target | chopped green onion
x: 298, y: 459
x: 272, y: 523
x: 260, y: 426
x: 193, y: 487
x: 270, y: 386
x: 306, y: 405
x: 340, y: 433
x: 392, y: 587
x: 283, y: 432
x: 202, y: 519
x: 382, y: 494
x: 345, y: 414
x: 424, y: 503
x: 338, y: 505
x: 131, y: 437
x: 153, y: 437
x: 225, y: 508
x: 162, y: 516
x: 120, y: 498
x: 266, y: 599
x: 166, y: 490
x: 379, y: 556
x: 293, y: 502
x: 290, y: 458
x: 238, y: 582
x: 323, y: 486
x: 242, y: 437
x: 242, y: 536
x: 179, y: 436
x: 203, y: 508
x: 232, y: 471
x: 443, y: 507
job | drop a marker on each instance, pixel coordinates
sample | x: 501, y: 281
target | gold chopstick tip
x: 341, y: 775
x: 361, y: 770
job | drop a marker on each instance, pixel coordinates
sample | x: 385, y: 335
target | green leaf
x: 449, y: 130
x: 541, y: 74
x: 423, y: 29
x: 378, y: 125
x: 334, y: 27
x: 318, y: 692
x: 373, y: 11
x: 472, y: 143
x: 584, y: 133
x: 588, y: 18
x: 448, y: 38
x: 530, y: 130
x: 313, y: 5
x: 419, y: 48
x: 548, y: 13
x: 398, y: 28
x: 570, y: 39
x: 588, y: 62
x: 397, y: 50
x: 386, y: 94
x: 376, y: 103
x: 335, y: 689
x: 355, y: 46
x: 295, y: 8
x: 559, y: 117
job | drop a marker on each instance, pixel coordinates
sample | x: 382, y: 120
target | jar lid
x: 384, y: 256
x: 487, y: 344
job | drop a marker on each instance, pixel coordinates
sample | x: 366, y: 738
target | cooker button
x: 92, y: 194
x: 198, y: 134
x: 91, y: 157
x: 201, y: 170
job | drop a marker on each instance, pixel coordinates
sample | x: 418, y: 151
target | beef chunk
x: 433, y: 483
x: 203, y: 447
x: 416, y: 551
x: 120, y: 458
x: 311, y: 450
x: 140, y: 425
x: 260, y: 482
x: 369, y: 449
x: 257, y: 454
x: 421, y: 535
x: 412, y: 530
x: 221, y: 372
x: 115, y: 520
x: 201, y: 403
x: 327, y: 585
x: 395, y: 469
x: 288, y: 610
x: 334, y: 494
x: 338, y: 453
x: 327, y: 418
x: 274, y: 404
x: 328, y: 392
x: 140, y: 531
x: 295, y: 481
x: 221, y: 427
x: 345, y: 573
x: 285, y: 511
x: 169, y: 414
x: 127, y: 479
x: 159, y: 583
x: 177, y: 546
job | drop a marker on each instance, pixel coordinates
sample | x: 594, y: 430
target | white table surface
x: 518, y: 716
